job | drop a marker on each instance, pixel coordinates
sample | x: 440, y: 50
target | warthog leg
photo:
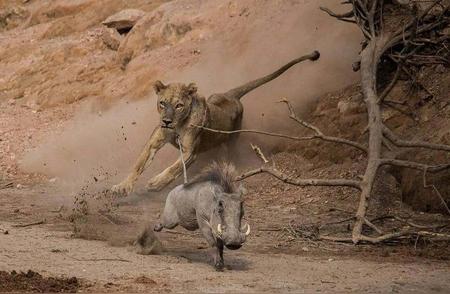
x: 218, y: 259
x: 215, y: 243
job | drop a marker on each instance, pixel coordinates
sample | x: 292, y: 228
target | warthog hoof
x: 158, y: 227
x: 219, y: 266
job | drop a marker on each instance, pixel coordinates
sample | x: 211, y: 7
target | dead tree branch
x: 346, y: 17
x: 405, y: 46
x: 414, y: 165
x: 391, y: 85
x: 259, y: 153
x: 318, y: 133
x: 368, y: 15
x: 410, y: 223
x: 300, y: 182
x: 412, y: 144
x: 436, y: 191
x: 297, y: 182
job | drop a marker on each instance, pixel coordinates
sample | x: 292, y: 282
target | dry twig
x: 29, y: 224
x: 97, y: 259
x: 7, y: 185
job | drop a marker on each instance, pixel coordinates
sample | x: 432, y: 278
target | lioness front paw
x: 122, y: 189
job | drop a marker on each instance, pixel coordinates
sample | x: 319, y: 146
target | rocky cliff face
x: 55, y: 52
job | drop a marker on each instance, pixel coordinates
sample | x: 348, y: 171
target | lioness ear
x: 191, y: 88
x: 159, y: 86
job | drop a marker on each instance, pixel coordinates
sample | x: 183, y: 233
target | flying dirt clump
x: 147, y: 243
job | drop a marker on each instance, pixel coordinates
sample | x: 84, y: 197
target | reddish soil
x: 33, y: 282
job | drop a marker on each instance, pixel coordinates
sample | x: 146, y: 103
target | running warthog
x: 212, y: 204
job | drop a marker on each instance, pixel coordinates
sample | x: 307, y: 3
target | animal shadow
x: 203, y: 256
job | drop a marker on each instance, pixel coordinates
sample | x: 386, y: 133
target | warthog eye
x: 220, y: 209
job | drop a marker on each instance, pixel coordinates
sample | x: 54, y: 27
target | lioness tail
x: 238, y: 92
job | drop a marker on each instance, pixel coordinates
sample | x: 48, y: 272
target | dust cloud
x: 102, y: 146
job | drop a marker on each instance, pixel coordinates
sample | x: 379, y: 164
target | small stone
x: 124, y: 19
x: 52, y: 180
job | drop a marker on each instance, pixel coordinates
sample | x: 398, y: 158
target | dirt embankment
x: 217, y: 44
x: 77, y: 105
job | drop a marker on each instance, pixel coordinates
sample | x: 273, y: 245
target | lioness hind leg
x: 161, y: 180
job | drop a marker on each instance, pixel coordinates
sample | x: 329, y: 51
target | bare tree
x: 417, y: 42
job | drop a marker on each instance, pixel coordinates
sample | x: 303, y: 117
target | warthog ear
x: 159, y: 86
x: 191, y: 88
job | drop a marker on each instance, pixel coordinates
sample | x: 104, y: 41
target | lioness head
x: 174, y: 102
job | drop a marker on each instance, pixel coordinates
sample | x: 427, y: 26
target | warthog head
x: 226, y: 219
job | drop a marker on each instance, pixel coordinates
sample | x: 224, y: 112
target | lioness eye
x: 161, y: 104
x: 179, y: 105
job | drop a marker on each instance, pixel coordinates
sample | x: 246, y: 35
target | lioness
x: 181, y: 111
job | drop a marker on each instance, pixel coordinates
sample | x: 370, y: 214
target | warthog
x: 211, y: 203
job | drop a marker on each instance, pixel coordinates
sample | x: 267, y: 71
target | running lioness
x: 182, y: 110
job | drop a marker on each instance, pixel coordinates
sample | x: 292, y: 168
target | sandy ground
x: 259, y: 267
x: 55, y: 253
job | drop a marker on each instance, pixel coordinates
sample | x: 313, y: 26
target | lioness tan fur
x: 181, y: 109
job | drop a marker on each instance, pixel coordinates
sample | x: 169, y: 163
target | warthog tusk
x: 219, y: 228
x: 248, y: 230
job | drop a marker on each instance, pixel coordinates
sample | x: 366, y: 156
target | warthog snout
x: 233, y: 239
